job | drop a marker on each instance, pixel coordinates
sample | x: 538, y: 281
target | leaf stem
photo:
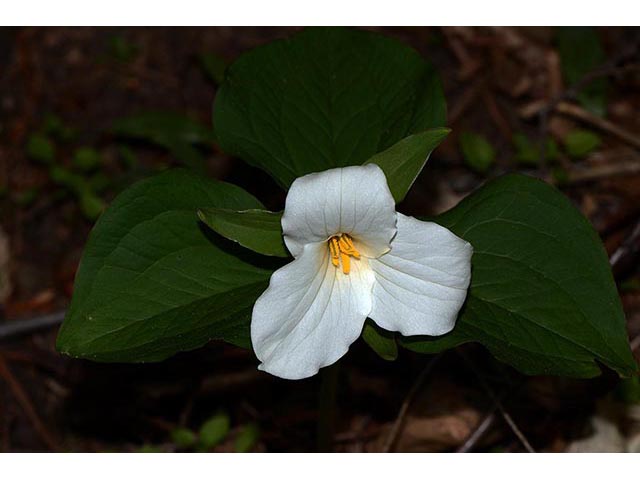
x: 327, y: 407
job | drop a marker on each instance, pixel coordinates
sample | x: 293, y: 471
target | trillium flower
x: 354, y: 257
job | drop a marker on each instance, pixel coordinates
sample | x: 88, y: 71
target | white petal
x: 310, y: 313
x: 353, y: 200
x: 422, y: 282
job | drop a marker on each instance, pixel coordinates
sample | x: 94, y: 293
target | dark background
x: 63, y: 89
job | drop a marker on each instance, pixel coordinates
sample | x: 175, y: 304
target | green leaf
x: 552, y: 151
x: 529, y: 154
x: 184, y: 438
x: 40, y: 149
x: 152, y: 281
x: 403, y: 161
x: 65, y: 177
x: 214, y: 431
x: 261, y: 231
x: 542, y: 296
x: 257, y: 230
x: 381, y: 341
x: 580, y: 143
x: 477, y: 151
x: 86, y: 159
x: 580, y: 53
x: 247, y: 438
x: 324, y: 98
x: 176, y: 133
x: 91, y: 205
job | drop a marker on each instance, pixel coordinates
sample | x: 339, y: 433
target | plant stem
x: 327, y: 407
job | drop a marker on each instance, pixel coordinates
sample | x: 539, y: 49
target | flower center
x: 342, y: 248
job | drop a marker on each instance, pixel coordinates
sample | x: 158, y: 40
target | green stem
x: 327, y: 407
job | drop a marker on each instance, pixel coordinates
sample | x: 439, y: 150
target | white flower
x: 355, y: 257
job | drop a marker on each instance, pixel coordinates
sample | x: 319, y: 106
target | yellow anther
x: 346, y: 263
x: 346, y: 246
x: 342, y: 249
x: 335, y: 251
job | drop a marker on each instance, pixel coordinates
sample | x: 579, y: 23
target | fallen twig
x: 465, y: 100
x: 624, y: 255
x: 610, y: 68
x: 581, y: 114
x: 357, y: 435
x: 397, y: 425
x: 16, y: 328
x: 631, y: 167
x: 505, y: 415
x: 544, y: 108
x: 515, y: 429
x: 496, y: 115
x: 26, y: 404
x: 479, y: 432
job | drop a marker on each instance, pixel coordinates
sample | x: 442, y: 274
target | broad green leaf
x: 324, y: 98
x: 477, y: 151
x: 381, y: 341
x: 580, y: 53
x: 257, y: 230
x: 580, y: 143
x: 154, y: 281
x: 403, y: 161
x: 542, y: 296
x: 261, y: 231
x: 214, y: 431
x: 177, y: 133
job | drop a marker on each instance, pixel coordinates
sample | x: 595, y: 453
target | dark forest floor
x: 505, y: 84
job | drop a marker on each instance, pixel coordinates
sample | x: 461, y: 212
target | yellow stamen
x: 335, y: 251
x: 346, y: 263
x: 342, y: 249
x: 346, y: 245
